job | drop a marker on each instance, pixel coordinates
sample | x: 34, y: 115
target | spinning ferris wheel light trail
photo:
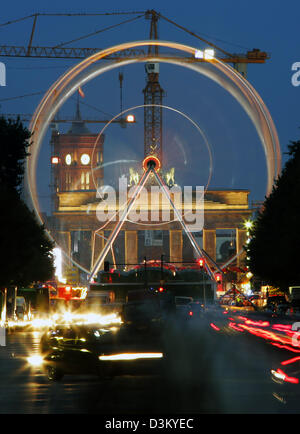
x: 90, y: 68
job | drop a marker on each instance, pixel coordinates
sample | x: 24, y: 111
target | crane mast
x: 153, y: 95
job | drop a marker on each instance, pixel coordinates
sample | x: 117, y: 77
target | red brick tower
x: 76, y: 159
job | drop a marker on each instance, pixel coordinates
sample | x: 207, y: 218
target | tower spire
x: 77, y: 113
x: 78, y: 126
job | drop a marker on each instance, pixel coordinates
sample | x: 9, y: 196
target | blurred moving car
x: 149, y: 307
x: 91, y: 350
x: 183, y: 300
x: 275, y: 300
x: 286, y: 381
x: 142, y: 313
x: 182, y: 306
x: 21, y: 308
x: 196, y: 310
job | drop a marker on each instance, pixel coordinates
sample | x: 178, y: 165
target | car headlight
x: 35, y: 360
x: 131, y: 356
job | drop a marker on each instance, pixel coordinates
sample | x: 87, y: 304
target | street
x: 211, y: 372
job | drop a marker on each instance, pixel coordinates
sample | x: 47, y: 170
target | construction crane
x: 153, y: 93
x: 238, y: 60
x: 121, y: 120
x: 26, y: 117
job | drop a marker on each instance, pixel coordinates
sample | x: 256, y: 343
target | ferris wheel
x: 151, y: 165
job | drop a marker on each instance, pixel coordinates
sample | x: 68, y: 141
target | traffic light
x: 106, y: 266
x: 219, y: 277
x: 161, y: 289
x: 201, y: 262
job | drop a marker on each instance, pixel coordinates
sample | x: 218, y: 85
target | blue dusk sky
x: 235, y: 26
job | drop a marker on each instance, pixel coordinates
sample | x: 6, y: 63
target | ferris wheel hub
x: 151, y: 162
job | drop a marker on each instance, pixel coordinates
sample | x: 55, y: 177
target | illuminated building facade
x: 82, y: 236
x: 73, y: 154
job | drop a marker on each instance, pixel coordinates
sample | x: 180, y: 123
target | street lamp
x: 248, y: 224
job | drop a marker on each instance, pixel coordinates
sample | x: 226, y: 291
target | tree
x: 274, y: 249
x: 25, y: 248
x: 14, y: 144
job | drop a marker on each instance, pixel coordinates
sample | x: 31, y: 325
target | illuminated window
x: 85, y: 181
x: 68, y: 181
x: 99, y: 157
x: 82, y: 181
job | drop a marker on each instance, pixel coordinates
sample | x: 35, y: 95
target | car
x: 182, y: 304
x: 286, y: 381
x: 92, y: 350
x: 21, y: 308
x: 142, y: 312
x: 183, y: 300
x: 196, y: 309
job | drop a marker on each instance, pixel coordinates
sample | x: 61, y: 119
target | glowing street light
x: 248, y: 224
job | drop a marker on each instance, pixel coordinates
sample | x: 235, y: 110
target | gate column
x: 131, y: 248
x: 176, y: 246
x: 209, y: 242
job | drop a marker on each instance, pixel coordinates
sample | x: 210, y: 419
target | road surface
x: 212, y: 371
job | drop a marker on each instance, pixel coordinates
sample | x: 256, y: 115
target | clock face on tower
x: 68, y: 159
x: 85, y: 159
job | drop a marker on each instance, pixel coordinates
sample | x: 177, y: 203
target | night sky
x: 238, y: 159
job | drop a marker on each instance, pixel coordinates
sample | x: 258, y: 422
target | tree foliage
x: 274, y: 249
x: 14, y: 144
x: 25, y: 249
